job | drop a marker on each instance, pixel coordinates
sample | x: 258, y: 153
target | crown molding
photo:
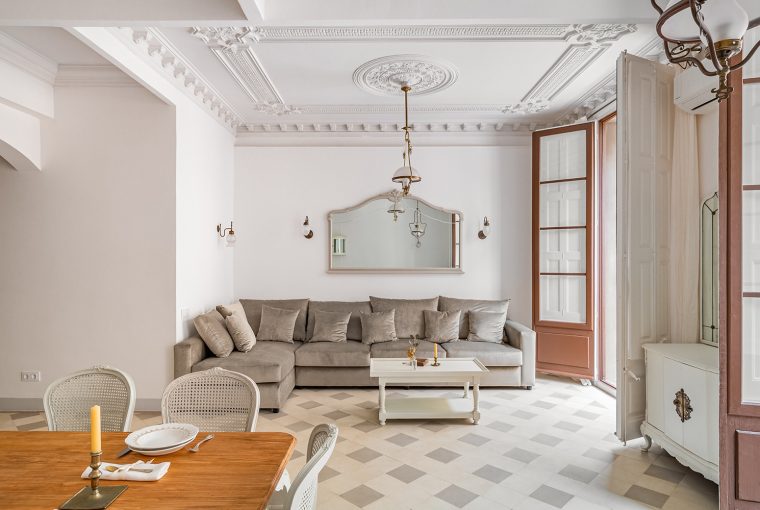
x: 22, y: 56
x: 390, y: 127
x: 92, y: 76
x: 477, y: 32
x: 346, y: 138
x: 151, y: 43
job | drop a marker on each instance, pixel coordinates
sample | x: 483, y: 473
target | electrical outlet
x: 31, y: 376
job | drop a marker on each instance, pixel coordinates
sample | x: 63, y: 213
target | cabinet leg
x: 647, y: 444
x: 475, y: 403
x: 466, y: 390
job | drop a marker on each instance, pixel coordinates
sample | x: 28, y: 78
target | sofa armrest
x: 523, y: 338
x: 187, y: 353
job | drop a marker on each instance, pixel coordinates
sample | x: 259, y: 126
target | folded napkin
x: 157, y: 472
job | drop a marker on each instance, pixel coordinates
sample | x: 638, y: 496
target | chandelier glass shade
x: 706, y: 34
x: 406, y: 175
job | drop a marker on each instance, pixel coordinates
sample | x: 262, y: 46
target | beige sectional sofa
x: 277, y: 367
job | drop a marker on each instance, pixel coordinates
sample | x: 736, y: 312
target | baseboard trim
x: 35, y: 404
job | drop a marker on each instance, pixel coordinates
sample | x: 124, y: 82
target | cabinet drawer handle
x: 683, y: 405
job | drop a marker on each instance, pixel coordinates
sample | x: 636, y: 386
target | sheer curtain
x: 684, y: 231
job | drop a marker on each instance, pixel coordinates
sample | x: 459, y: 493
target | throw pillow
x: 330, y: 326
x: 487, y: 326
x: 277, y: 325
x: 378, y: 327
x: 237, y: 325
x: 211, y: 328
x: 441, y: 327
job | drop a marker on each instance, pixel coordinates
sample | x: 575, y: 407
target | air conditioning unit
x: 692, y: 91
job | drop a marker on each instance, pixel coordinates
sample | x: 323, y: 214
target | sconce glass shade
x: 306, y: 229
x: 486, y: 229
x: 230, y: 239
x: 724, y: 19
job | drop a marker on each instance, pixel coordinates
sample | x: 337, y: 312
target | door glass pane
x: 751, y: 245
x: 563, y: 156
x: 563, y: 251
x: 563, y: 204
x: 563, y: 299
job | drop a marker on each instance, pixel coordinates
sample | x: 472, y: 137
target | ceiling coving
x: 384, y: 76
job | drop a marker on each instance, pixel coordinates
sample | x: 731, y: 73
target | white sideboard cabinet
x: 682, y: 387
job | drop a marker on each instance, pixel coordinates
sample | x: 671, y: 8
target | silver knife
x: 123, y: 452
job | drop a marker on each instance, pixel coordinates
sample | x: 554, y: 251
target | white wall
x: 87, y: 257
x: 276, y: 187
x: 205, y: 167
x: 707, y: 138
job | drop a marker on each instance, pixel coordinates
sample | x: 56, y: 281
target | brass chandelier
x: 406, y: 174
x: 705, y: 34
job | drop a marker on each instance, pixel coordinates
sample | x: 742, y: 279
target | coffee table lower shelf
x: 416, y: 408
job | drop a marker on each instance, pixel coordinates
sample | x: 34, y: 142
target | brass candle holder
x: 94, y: 497
x: 435, y: 362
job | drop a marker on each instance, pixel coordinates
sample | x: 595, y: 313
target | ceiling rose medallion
x: 386, y: 75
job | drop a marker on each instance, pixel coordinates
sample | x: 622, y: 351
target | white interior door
x: 645, y: 134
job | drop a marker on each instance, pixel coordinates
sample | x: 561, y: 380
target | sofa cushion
x: 486, y: 326
x: 211, y: 329
x: 378, y: 327
x: 330, y: 326
x: 237, y: 325
x: 267, y: 362
x: 277, y: 324
x: 398, y: 348
x: 252, y: 309
x: 354, y: 331
x: 441, y: 327
x: 490, y: 354
x: 333, y: 354
x: 410, y: 318
x: 446, y: 304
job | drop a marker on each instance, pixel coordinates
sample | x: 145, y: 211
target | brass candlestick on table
x: 94, y: 497
x: 435, y: 355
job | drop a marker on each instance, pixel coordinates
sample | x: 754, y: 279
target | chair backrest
x: 215, y: 400
x: 68, y: 400
x: 302, y: 494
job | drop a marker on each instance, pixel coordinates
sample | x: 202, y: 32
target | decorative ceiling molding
x: 182, y: 73
x: 526, y: 107
x: 231, y: 45
x: 351, y: 109
x: 384, y: 76
x: 92, y: 76
x: 391, y: 127
x: 601, y: 33
x: 411, y: 32
x: 22, y: 56
x: 277, y: 109
x: 568, y: 66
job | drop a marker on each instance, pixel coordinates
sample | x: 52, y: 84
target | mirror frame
x: 392, y: 196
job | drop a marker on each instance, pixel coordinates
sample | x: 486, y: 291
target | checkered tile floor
x: 549, y: 448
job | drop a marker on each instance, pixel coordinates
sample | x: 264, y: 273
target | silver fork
x: 197, y: 447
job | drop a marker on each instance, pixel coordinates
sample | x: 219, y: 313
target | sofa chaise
x: 277, y: 367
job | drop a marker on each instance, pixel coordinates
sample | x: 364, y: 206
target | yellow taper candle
x: 95, y: 429
x: 435, y: 350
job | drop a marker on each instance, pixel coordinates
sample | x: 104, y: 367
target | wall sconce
x: 485, y: 230
x: 308, y: 233
x: 228, y: 234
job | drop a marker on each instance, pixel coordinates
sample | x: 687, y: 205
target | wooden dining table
x: 41, y: 470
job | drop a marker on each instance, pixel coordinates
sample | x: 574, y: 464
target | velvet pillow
x: 378, y: 327
x: 330, y: 326
x: 487, y: 326
x: 277, y: 325
x: 211, y: 329
x: 237, y: 325
x: 441, y: 327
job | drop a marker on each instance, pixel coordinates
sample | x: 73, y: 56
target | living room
x: 389, y: 255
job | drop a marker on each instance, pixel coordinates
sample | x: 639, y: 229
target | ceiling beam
x: 447, y: 11
x: 132, y: 13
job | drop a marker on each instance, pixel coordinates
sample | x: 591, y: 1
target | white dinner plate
x: 165, y: 451
x: 161, y: 437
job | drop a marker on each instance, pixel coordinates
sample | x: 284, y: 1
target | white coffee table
x: 466, y: 371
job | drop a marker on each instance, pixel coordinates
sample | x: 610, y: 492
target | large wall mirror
x: 395, y: 233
